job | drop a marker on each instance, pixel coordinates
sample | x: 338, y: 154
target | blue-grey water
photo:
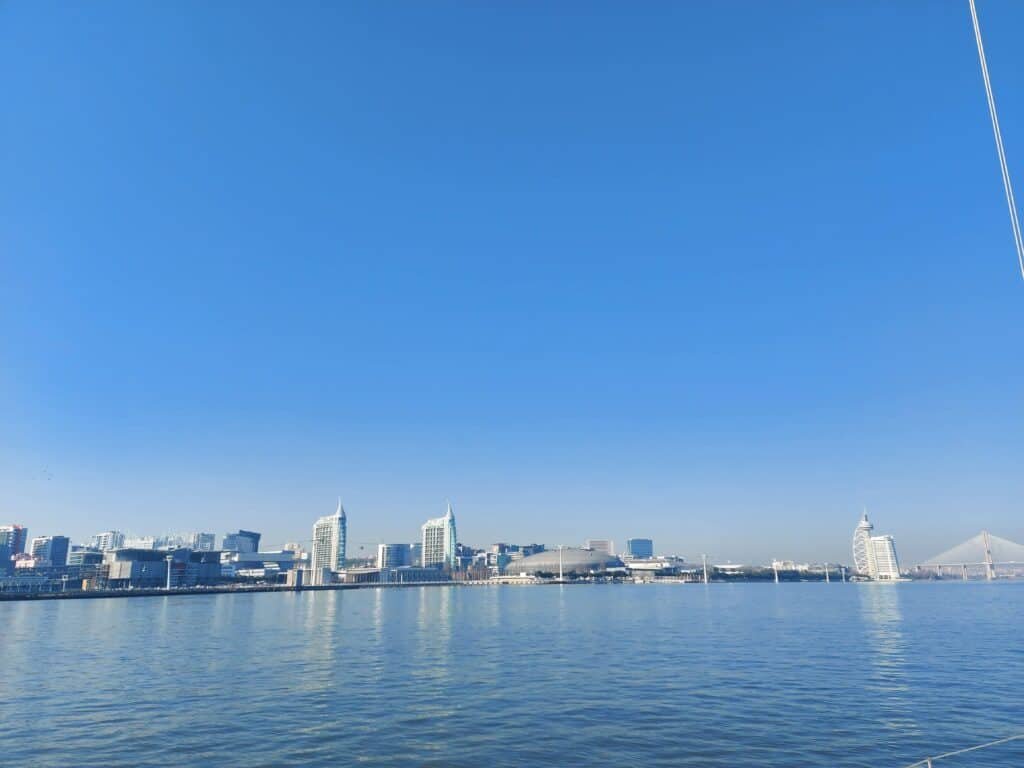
x: 657, y: 675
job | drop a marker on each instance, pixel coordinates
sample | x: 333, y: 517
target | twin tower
x: 330, y: 534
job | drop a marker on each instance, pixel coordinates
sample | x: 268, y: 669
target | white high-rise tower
x: 439, y: 540
x: 329, y: 535
x: 874, y: 556
x: 862, y: 546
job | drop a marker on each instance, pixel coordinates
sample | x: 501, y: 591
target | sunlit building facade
x: 329, y: 541
x: 51, y: 550
x: 874, y: 556
x: 862, y: 545
x: 108, y: 541
x: 883, y: 563
x: 439, y: 541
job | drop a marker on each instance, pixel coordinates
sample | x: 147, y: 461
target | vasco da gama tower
x: 874, y: 556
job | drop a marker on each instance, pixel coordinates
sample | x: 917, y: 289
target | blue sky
x: 718, y: 274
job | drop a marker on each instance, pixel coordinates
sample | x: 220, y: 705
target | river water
x: 647, y: 675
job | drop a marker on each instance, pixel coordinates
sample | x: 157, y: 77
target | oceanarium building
x: 579, y: 562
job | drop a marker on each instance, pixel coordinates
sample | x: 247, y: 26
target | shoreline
x: 102, y: 594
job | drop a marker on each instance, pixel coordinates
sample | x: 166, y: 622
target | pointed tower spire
x: 340, y: 511
x: 449, y: 513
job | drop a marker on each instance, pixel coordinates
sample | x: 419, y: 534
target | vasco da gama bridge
x: 982, y: 554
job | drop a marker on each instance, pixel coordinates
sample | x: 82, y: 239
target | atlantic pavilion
x: 578, y: 562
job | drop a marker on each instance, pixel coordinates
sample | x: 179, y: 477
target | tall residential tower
x: 439, y: 541
x: 862, y: 545
x: 329, y: 537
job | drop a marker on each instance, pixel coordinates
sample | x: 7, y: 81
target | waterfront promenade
x: 94, y: 594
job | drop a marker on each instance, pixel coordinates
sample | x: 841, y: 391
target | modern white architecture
x: 329, y: 535
x: 862, y: 545
x: 874, y: 556
x: 439, y: 541
x: 108, y: 541
x: 140, y: 542
x: 883, y: 564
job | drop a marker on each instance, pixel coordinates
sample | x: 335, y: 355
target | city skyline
x: 330, y: 539
x: 113, y: 561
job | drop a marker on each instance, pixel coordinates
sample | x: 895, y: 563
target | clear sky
x: 720, y: 274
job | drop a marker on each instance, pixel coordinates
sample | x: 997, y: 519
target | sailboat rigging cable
x: 1014, y: 220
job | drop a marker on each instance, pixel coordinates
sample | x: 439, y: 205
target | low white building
x: 883, y: 565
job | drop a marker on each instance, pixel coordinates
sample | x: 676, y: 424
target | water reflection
x: 491, y: 611
x: 887, y: 654
x: 434, y: 635
x: 658, y: 676
x: 378, y: 615
x: 19, y: 642
x: 323, y: 619
x: 563, y: 616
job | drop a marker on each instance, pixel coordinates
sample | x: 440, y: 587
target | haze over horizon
x: 720, y: 276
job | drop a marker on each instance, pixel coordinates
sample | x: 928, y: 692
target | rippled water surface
x: 667, y: 675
